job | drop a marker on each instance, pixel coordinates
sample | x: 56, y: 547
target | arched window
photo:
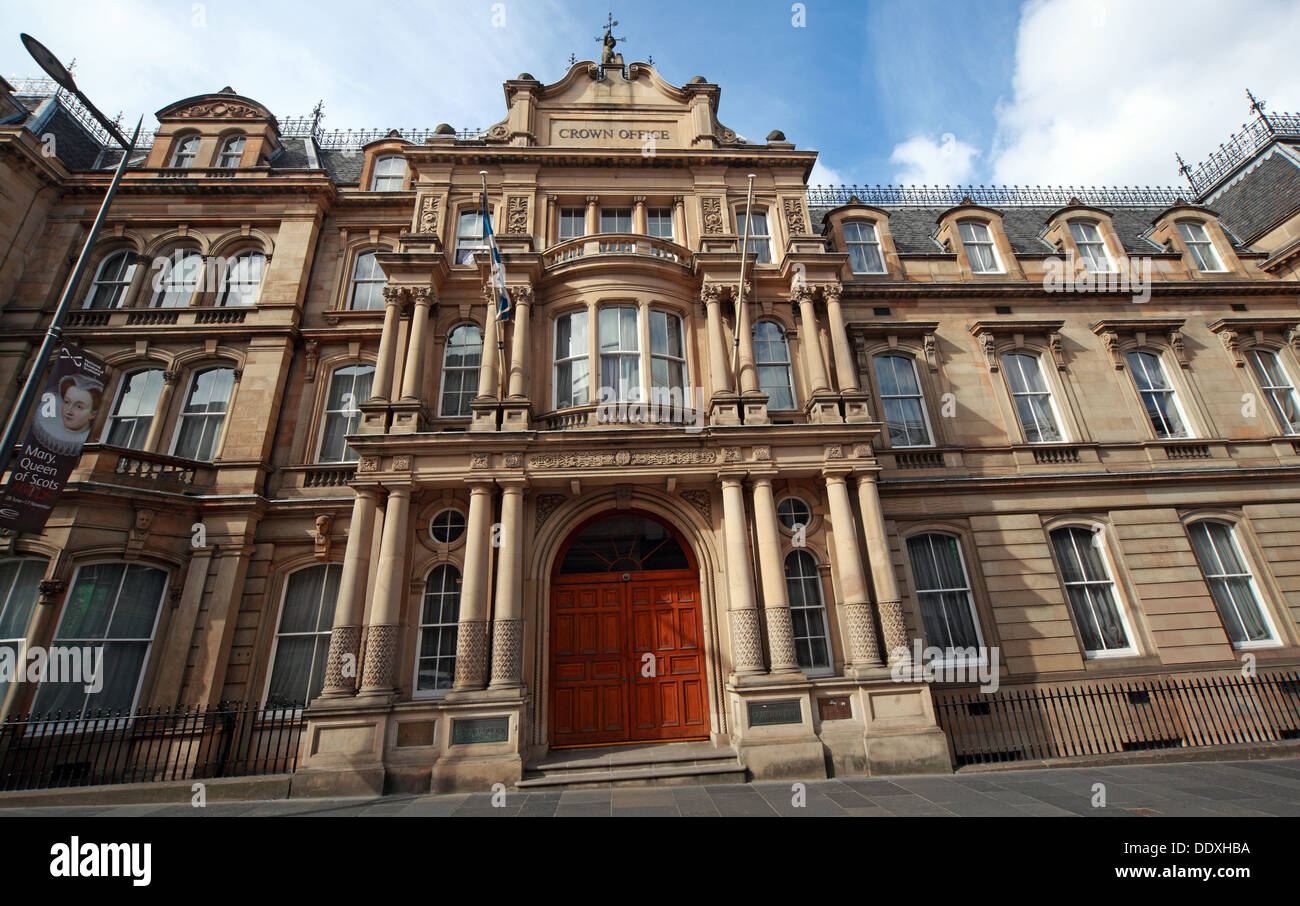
x: 204, y: 414
x: 943, y: 592
x: 1158, y: 396
x: 134, y: 410
x: 864, y: 248
x: 368, y: 281
x: 112, y: 280
x: 807, y: 611
x: 389, y: 174
x: 1091, y: 591
x: 623, y: 543
x: 760, y: 239
x: 187, y: 149
x: 460, y: 363
x: 1032, y: 397
x: 1277, y: 387
x: 981, y: 252
x: 772, y: 357
x: 232, y: 151
x: 349, y: 387
x: 242, y: 280
x: 114, y: 606
x: 20, y: 580
x: 1092, y: 248
x: 1231, y: 584
x: 174, y: 284
x: 902, y: 402
x: 571, y: 363
x: 620, y: 352
x: 302, y: 641
x: 439, y: 618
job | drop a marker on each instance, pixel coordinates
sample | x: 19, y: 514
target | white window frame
x: 114, y: 415
x: 788, y: 365
x: 633, y: 393
x: 383, y: 181
x: 817, y: 610
x: 351, y: 416
x: 186, y: 152
x: 853, y: 239
x: 236, y: 277
x: 176, y: 279
x: 1169, y: 391
x: 1050, y: 393
x: 760, y: 244
x: 576, y: 215
x: 442, y: 380
x: 663, y: 396
x: 616, y: 214
x: 583, y: 355
x: 19, y: 643
x: 1275, y: 639
x: 974, y: 241
x: 225, y: 413
x: 945, y: 660
x: 232, y: 151
x: 1200, y: 249
x: 356, y: 280
x: 1271, y: 391
x: 122, y: 283
x: 919, y: 396
x: 275, y: 644
x: 1091, y: 249
x: 1097, y: 538
x: 660, y: 215
x: 467, y: 243
x: 421, y: 626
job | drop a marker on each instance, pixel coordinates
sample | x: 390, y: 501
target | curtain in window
x: 1089, y: 589
x: 19, y: 589
x: 303, y: 640
x: 942, y: 591
x: 1230, y: 584
x: 137, y: 403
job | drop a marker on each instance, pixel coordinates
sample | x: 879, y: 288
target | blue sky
x: 1062, y: 92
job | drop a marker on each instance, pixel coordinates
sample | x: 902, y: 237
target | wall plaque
x: 480, y: 729
x: 766, y: 714
x: 834, y: 707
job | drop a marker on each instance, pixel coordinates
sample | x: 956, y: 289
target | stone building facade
x: 674, y: 495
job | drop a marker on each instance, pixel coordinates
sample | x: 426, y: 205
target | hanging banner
x: 64, y: 413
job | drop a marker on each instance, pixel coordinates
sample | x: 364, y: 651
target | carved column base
x: 507, y: 652
x: 515, y: 415
x: 746, y: 643
x: 471, y: 655
x: 483, y: 415
x: 381, y: 659
x: 855, y: 406
x: 862, y: 635
x: 824, y: 408
x: 341, y: 665
x: 780, y: 640
x: 895, y: 632
x: 409, y: 417
x: 724, y: 409
x: 755, y: 409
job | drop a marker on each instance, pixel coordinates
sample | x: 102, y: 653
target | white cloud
x: 946, y: 162
x: 823, y: 175
x: 1105, y: 91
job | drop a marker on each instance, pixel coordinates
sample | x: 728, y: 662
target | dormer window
x: 864, y: 248
x: 187, y: 149
x: 232, y: 151
x: 1199, y: 245
x: 978, y: 242
x: 389, y: 175
x: 1092, y: 249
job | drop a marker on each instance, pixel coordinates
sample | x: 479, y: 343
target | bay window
x: 667, y: 360
x: 620, y: 352
x: 571, y: 362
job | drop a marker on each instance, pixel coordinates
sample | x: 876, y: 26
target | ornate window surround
x: 1043, y: 340
x: 1163, y: 338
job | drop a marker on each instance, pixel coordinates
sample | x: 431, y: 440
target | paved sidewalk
x: 1202, y: 789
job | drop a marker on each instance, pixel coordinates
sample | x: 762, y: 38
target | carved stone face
x: 323, y: 525
x: 143, y: 519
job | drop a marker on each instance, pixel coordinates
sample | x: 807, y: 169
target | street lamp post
x: 59, y: 73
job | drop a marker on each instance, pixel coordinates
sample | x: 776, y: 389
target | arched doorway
x: 627, y: 660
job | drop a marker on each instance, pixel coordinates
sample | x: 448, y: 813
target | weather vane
x: 608, y: 42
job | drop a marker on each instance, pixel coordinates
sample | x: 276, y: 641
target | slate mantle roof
x: 1263, y: 195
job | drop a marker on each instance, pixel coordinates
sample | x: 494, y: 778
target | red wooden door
x: 626, y: 658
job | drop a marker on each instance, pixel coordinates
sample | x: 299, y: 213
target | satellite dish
x: 49, y: 62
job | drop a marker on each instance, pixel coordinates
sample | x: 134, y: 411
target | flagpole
x: 494, y: 309
x: 740, y: 292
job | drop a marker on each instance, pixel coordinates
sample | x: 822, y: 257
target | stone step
x: 654, y: 765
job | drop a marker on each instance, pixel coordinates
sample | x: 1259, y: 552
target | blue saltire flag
x: 498, y: 275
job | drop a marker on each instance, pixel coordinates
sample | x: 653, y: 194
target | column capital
x: 517, y: 484
x: 422, y: 295
x: 521, y: 294
x: 480, y: 485
x: 831, y: 292
x: 763, y: 476
x: 593, y: 199
x: 836, y: 474
x: 733, y: 478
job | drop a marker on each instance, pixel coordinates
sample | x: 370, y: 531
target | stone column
x: 382, y: 388
x: 345, y: 637
x: 845, y: 374
x: 889, y: 601
x: 417, y: 347
x: 153, y: 436
x: 487, y: 372
x: 812, y: 353
x: 640, y: 223
x: 771, y: 565
x: 863, y: 650
x: 522, y: 299
x: 593, y: 215
x: 472, y: 634
x: 508, y: 624
x: 379, y: 673
x: 719, y: 371
x: 745, y: 357
x: 746, y: 638
x: 679, y: 219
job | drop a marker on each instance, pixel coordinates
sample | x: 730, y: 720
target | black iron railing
x: 149, y: 745
x: 1024, y: 724
x: 950, y: 196
x: 1241, y: 147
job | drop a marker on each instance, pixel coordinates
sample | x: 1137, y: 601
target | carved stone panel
x: 712, y: 208
x: 517, y: 215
